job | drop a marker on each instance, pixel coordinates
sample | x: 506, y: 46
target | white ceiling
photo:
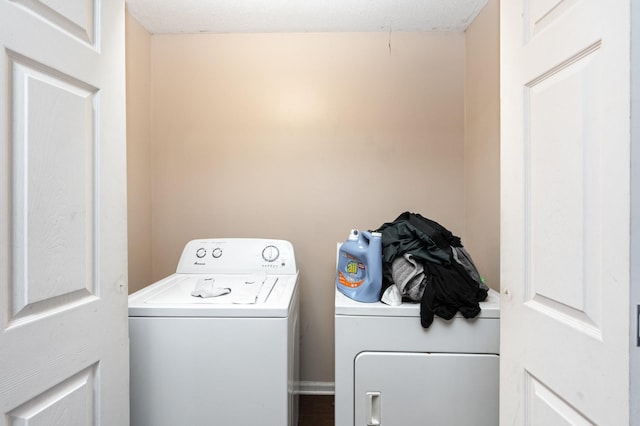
x: 260, y: 16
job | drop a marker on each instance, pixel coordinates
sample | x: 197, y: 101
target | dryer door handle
x: 373, y: 408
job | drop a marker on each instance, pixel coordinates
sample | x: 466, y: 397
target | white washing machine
x: 391, y: 371
x: 231, y: 359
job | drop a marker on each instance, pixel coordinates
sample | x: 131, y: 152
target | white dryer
x: 391, y: 371
x: 231, y: 359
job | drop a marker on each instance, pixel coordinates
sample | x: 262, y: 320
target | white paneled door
x: 565, y: 224
x: 63, y: 283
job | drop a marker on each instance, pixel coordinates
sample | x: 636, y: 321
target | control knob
x: 270, y: 253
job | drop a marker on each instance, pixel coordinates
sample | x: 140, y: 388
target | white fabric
x: 205, y: 287
x: 392, y: 296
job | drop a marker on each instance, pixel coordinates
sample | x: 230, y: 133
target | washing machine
x: 217, y: 342
x: 391, y: 371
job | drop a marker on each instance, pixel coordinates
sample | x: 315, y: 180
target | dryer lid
x: 490, y: 308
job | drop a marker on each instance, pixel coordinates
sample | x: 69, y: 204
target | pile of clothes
x: 424, y: 262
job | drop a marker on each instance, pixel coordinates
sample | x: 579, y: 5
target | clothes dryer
x: 228, y: 358
x: 391, y: 371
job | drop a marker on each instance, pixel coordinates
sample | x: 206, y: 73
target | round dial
x: 201, y: 252
x: 270, y: 253
x: 217, y: 252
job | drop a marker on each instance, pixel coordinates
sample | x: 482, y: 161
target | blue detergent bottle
x: 359, y: 272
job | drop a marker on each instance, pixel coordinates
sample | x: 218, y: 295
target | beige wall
x: 304, y: 136
x: 482, y: 143
x: 138, y: 45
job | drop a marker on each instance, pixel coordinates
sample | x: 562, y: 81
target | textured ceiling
x: 260, y: 16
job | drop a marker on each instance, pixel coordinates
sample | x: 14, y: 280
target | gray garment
x: 461, y: 256
x: 408, y: 275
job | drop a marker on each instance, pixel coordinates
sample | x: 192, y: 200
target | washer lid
x: 490, y: 308
x: 248, y: 295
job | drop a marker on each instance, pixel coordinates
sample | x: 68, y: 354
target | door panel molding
x: 71, y: 402
x: 77, y: 18
x: 563, y: 174
x: 53, y: 189
x: 545, y: 407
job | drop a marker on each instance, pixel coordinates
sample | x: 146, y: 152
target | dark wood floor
x: 315, y: 410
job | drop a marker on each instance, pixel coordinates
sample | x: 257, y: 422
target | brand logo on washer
x: 199, y: 263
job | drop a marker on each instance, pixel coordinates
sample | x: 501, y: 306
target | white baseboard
x: 315, y: 388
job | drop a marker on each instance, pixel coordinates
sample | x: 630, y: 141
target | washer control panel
x: 237, y: 256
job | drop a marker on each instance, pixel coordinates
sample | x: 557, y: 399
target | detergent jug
x: 359, y: 274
